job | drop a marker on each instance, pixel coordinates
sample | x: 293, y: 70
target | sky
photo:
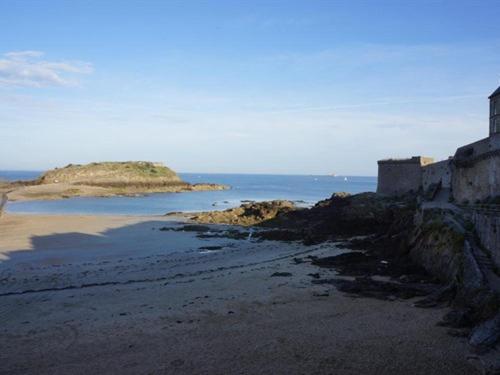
x: 292, y: 87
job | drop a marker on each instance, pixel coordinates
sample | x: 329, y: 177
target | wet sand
x: 115, y: 295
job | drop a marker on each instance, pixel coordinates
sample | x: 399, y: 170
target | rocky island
x: 103, y: 179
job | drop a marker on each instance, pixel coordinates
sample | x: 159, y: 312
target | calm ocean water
x: 305, y: 190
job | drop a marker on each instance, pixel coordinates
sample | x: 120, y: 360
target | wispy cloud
x: 29, y: 69
x: 265, y: 22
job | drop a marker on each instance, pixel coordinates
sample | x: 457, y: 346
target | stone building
x: 495, y: 112
x: 401, y: 176
x: 476, y: 166
x: 472, y: 174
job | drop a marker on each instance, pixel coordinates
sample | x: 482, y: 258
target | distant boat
x: 333, y: 175
x: 345, y: 178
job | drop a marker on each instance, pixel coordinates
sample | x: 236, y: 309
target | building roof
x: 496, y: 93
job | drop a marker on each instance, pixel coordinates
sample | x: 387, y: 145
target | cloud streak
x: 29, y: 69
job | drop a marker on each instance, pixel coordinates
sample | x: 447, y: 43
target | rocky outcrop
x: 437, y: 244
x: 345, y: 215
x: 486, y: 334
x: 247, y: 214
x: 340, y: 215
x: 204, y: 187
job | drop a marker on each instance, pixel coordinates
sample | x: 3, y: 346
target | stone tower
x: 401, y: 176
x: 495, y: 112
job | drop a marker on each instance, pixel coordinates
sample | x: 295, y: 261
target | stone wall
x: 437, y: 173
x: 472, y: 150
x: 476, y: 179
x: 487, y: 227
x: 400, y: 176
x: 476, y: 170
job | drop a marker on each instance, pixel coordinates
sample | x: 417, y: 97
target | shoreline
x: 117, y: 294
x: 61, y: 191
x: 180, y: 217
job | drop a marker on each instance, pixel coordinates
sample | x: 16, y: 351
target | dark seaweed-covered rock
x: 187, y: 228
x: 281, y: 274
x: 210, y: 248
x: 279, y: 235
x: 345, y: 215
x: 441, y: 296
x: 385, y: 290
x: 342, y: 259
x: 456, y: 319
x: 373, y: 262
x: 486, y: 334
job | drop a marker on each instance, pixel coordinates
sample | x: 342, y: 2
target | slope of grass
x: 137, y: 172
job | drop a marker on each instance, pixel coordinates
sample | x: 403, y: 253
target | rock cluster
x: 345, y: 215
x: 252, y: 213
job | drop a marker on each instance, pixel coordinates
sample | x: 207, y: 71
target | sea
x: 304, y: 190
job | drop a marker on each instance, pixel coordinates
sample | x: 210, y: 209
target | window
x: 497, y: 125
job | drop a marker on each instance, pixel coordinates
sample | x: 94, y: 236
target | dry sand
x: 114, y: 295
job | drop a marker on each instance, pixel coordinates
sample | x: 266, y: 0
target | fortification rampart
x: 436, y: 174
x: 477, y: 180
x: 476, y: 171
x: 487, y: 226
x: 400, y: 176
x: 473, y: 174
x: 472, y: 150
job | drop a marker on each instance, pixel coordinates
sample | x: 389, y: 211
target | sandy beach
x: 280, y: 187
x: 117, y: 295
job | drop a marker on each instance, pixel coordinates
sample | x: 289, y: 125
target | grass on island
x: 140, y: 168
x: 112, y: 174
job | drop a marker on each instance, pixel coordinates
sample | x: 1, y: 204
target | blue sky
x: 244, y: 86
